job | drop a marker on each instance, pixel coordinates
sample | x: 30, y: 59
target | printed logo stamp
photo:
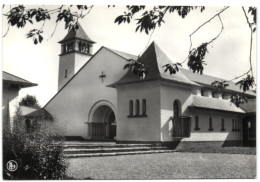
x: 12, y: 165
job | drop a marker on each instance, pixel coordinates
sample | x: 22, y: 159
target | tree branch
x: 7, y: 30
x: 222, y: 28
x: 206, y: 23
x: 8, y: 25
x: 88, y: 11
x: 55, y: 25
x: 251, y: 40
x: 240, y: 76
x: 209, y: 20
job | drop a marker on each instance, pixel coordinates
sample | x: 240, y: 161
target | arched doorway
x: 102, y: 123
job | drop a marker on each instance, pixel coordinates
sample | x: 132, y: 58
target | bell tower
x: 76, y: 50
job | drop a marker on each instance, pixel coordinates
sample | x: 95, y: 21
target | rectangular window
x: 236, y: 124
x: 144, y: 107
x: 66, y: 73
x: 210, y: 124
x: 202, y: 93
x: 131, y: 105
x: 223, y: 124
x: 196, y: 123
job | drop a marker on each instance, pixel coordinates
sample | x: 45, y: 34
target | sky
x: 227, y: 58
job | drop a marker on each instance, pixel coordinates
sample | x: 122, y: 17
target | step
x: 117, y: 153
x: 98, y: 145
x: 85, y: 146
x: 116, y: 149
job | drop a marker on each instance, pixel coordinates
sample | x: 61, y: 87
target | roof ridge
x: 118, y: 52
x: 77, y: 34
x: 17, y: 77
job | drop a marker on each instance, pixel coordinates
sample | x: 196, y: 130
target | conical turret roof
x: 77, y: 34
x: 154, y: 59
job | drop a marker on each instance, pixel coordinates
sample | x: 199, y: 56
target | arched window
x: 177, y: 108
x: 28, y: 125
x: 210, y: 124
x: 131, y: 105
x: 137, y: 107
x: 80, y: 44
x: 143, y: 107
x: 196, y: 123
x: 222, y: 124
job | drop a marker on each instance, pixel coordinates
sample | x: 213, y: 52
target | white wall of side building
x: 139, y: 128
x: 10, y: 101
x: 216, y: 135
x: 72, y: 105
x: 169, y: 92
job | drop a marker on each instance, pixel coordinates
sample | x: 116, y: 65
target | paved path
x: 164, y: 166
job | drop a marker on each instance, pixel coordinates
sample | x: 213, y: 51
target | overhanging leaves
x: 35, y: 34
x: 238, y: 99
x: 246, y: 83
x: 196, y: 56
x: 137, y: 68
x: 219, y: 85
x: 172, y: 68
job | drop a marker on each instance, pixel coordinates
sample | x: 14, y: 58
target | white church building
x: 99, y: 100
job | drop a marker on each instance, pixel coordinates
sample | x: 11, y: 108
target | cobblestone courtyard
x: 164, y: 166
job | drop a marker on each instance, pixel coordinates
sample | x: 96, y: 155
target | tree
x: 147, y: 20
x: 39, y: 154
x: 30, y: 101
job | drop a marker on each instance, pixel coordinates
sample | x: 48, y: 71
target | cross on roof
x: 102, y: 76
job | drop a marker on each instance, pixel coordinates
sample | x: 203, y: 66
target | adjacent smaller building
x: 11, y: 87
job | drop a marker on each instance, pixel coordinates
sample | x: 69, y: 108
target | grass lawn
x: 164, y: 166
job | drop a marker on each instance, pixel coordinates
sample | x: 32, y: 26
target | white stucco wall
x: 72, y: 104
x: 66, y: 62
x: 10, y: 100
x: 71, y: 62
x: 216, y: 135
x: 170, y: 92
x: 139, y: 128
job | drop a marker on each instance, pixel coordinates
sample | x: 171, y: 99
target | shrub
x: 39, y: 154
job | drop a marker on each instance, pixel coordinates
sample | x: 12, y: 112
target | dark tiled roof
x: 77, y: 34
x: 250, y: 106
x: 207, y: 80
x: 154, y: 59
x: 9, y: 78
x: 215, y: 104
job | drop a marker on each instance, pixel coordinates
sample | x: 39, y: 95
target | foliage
x: 146, y: 21
x: 252, y: 10
x: 196, y: 56
x: 149, y: 19
x: 69, y: 18
x: 246, y: 83
x: 36, y: 35
x: 238, y: 99
x: 172, y: 68
x: 137, y: 68
x: 39, y: 154
x: 30, y: 101
x: 219, y: 85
